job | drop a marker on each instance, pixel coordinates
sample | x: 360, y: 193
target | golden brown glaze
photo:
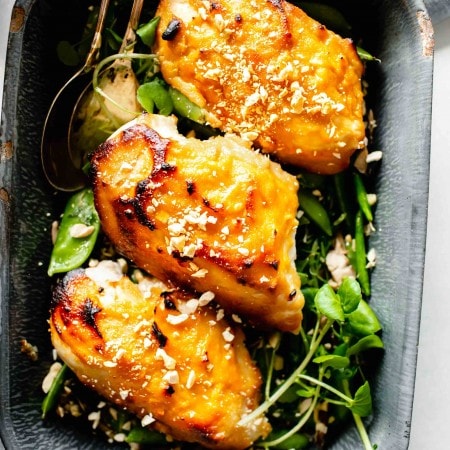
x: 204, y: 215
x: 265, y: 70
x: 159, y: 354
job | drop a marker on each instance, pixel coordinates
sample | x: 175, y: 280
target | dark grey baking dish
x: 397, y: 31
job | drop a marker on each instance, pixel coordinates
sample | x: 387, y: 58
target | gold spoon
x: 56, y: 163
x: 110, y: 101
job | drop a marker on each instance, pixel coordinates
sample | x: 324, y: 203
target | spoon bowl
x: 57, y: 164
x: 96, y: 116
x: 58, y: 167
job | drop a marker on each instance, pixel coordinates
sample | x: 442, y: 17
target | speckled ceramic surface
x: 398, y: 32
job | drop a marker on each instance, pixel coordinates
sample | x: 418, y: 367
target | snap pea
x: 315, y: 211
x: 360, y: 255
x: 184, y: 107
x: 344, y: 192
x: 72, y: 248
x: 146, y: 436
x: 52, y: 396
x: 361, y: 196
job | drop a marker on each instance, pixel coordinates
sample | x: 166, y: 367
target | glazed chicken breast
x: 205, y: 215
x: 265, y: 70
x: 173, y: 360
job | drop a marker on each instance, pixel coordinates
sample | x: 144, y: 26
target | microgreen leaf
x: 297, y: 440
x: 363, y: 320
x: 156, y: 92
x: 334, y: 361
x: 147, y: 32
x: 362, y: 402
x: 341, y: 349
x: 365, y: 55
x: 306, y: 393
x: 350, y: 293
x: 145, y: 99
x: 346, y: 374
x: 365, y: 343
x: 328, y: 303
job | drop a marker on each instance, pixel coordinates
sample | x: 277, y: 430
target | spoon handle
x: 97, y: 39
x: 130, y: 35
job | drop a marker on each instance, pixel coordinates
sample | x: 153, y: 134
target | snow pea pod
x: 77, y: 233
x: 361, y: 196
x: 51, y: 399
x: 145, y: 436
x: 360, y: 255
x: 184, y: 107
x: 315, y: 211
x: 344, y: 194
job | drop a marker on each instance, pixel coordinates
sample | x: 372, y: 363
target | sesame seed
x: 189, y: 307
x: 200, y: 273
x: 220, y: 314
x: 205, y: 298
x: 124, y: 394
x: 147, y: 342
x: 110, y: 364
x: 147, y: 420
x: 169, y: 362
x: 176, y: 319
x: 171, y: 377
x: 228, y: 335
x: 372, y: 199
x: 191, y: 379
x: 94, y: 417
x: 374, y: 156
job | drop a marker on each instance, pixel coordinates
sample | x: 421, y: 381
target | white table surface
x: 430, y: 423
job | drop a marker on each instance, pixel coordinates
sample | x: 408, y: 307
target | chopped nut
x: 30, y: 350
x: 80, y: 230
x: 50, y: 377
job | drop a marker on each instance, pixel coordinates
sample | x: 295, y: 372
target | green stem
x: 358, y: 422
x: 291, y: 380
x: 269, y: 374
x: 304, y: 339
x: 305, y: 417
x: 326, y: 386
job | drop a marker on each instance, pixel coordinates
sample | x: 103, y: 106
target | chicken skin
x: 173, y: 360
x: 265, y: 70
x: 204, y: 215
